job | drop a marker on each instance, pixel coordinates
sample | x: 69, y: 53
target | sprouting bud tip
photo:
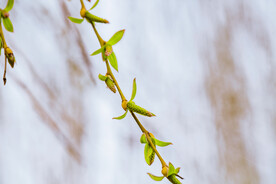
x: 108, y: 50
x: 5, y: 14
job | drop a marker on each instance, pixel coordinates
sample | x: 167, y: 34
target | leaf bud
x: 110, y: 84
x: 5, y: 14
x: 82, y: 12
x: 10, y: 56
x: 124, y: 105
x: 165, y: 170
x: 108, y: 50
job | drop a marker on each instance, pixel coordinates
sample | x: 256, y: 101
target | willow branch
x: 109, y: 72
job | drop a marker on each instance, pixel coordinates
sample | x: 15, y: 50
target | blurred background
x: 205, y: 68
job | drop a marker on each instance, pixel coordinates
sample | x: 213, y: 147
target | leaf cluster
x: 5, y: 16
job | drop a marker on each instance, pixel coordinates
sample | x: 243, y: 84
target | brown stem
x: 82, y: 4
x: 109, y: 72
x: 102, y: 42
x: 4, y: 46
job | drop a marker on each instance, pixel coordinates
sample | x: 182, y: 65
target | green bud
x: 135, y: 108
x: 93, y: 18
x: 10, y: 56
x: 110, y: 84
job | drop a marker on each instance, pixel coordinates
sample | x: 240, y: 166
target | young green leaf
x: 76, y: 20
x: 171, y: 169
x: 121, y: 117
x: 161, y: 143
x: 149, y: 153
x: 98, y: 51
x: 113, y: 61
x: 116, y: 37
x: 8, y: 24
x: 133, y: 89
x: 102, y: 77
x: 143, y: 139
x: 95, y: 4
x: 156, y: 178
x: 177, y: 170
x: 9, y: 5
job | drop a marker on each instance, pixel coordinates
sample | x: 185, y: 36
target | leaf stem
x: 82, y: 4
x: 4, y: 46
x: 102, y: 42
x: 109, y: 72
x: 3, y: 38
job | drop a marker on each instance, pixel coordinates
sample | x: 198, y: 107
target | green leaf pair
x: 107, y: 50
x: 171, y: 175
x: 133, y: 107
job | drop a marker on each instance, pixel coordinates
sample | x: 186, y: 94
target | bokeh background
x: 205, y: 68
